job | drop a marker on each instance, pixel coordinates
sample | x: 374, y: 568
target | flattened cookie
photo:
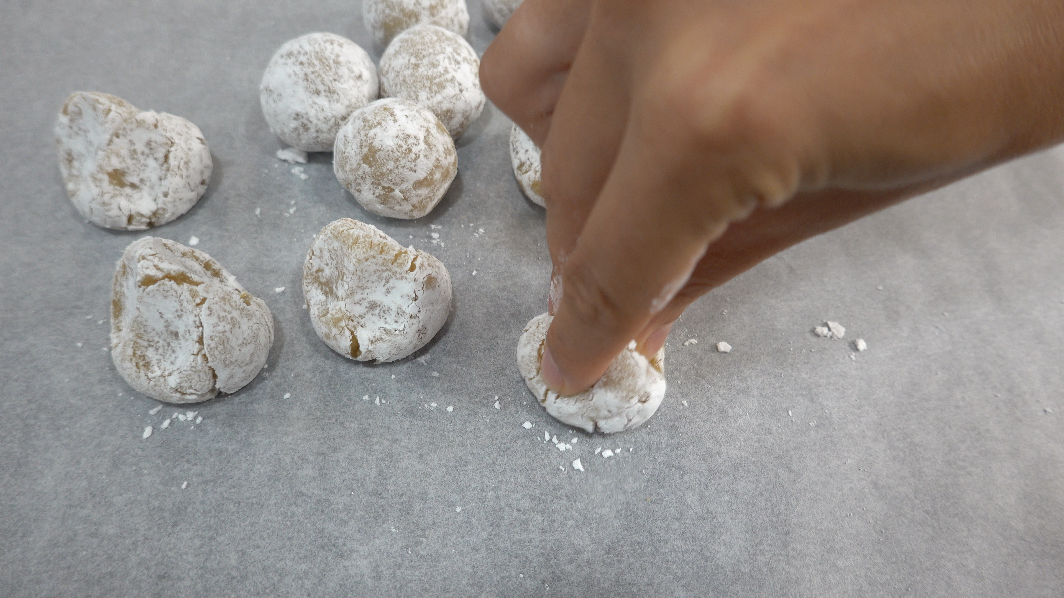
x: 626, y: 396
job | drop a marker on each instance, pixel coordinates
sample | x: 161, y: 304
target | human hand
x: 685, y: 141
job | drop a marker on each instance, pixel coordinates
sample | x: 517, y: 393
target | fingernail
x: 550, y: 372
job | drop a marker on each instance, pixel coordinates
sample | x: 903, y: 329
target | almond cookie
x: 396, y: 158
x: 127, y: 169
x: 524, y: 157
x: 438, y: 69
x: 182, y: 327
x: 626, y: 396
x: 370, y: 299
x: 311, y: 85
x: 386, y: 19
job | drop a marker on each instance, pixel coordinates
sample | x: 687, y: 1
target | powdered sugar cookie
x: 311, y: 85
x: 499, y: 11
x: 626, y: 396
x: 182, y: 327
x: 370, y: 299
x: 438, y: 69
x: 127, y: 169
x: 396, y: 158
x: 524, y: 157
x: 386, y: 19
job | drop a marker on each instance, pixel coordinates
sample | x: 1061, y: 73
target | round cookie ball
x: 438, y: 69
x: 626, y: 396
x: 499, y: 11
x: 386, y: 19
x: 524, y: 157
x: 370, y: 299
x: 126, y: 169
x: 182, y: 327
x: 396, y: 158
x: 311, y: 85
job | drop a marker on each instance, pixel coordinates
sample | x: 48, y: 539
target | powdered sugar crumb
x: 723, y: 347
x: 147, y: 432
x: 527, y: 425
x: 292, y: 155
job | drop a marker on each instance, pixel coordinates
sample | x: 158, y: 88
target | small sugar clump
x: 396, y: 158
x: 182, y: 327
x: 370, y: 299
x: 438, y: 69
x: 524, y: 157
x: 311, y: 85
x: 627, y: 395
x: 386, y: 19
x: 499, y: 11
x: 127, y: 169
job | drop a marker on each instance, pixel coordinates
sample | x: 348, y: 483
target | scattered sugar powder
x: 278, y: 290
x: 860, y: 344
x: 606, y: 454
x: 577, y: 465
x: 166, y: 424
x: 193, y: 240
x: 288, y: 395
x: 527, y: 425
x: 690, y: 341
x: 157, y: 409
x: 292, y: 155
x: 723, y: 347
x: 147, y: 432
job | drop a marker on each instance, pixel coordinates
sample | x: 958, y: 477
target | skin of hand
x: 685, y: 141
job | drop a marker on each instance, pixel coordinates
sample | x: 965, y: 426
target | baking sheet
x: 930, y: 464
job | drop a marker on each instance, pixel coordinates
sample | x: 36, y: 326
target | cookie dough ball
x: 127, y: 169
x: 626, y: 396
x: 499, y: 11
x: 438, y: 69
x: 524, y: 157
x: 182, y: 327
x: 396, y: 158
x: 369, y: 298
x: 386, y: 19
x: 311, y: 85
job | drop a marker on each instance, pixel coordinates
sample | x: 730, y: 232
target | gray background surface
x: 931, y: 464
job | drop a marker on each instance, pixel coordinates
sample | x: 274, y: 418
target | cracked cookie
x: 369, y: 298
x: 182, y: 327
x: 127, y: 169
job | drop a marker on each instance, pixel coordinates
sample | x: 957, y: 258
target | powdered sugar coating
x: 626, y: 396
x: 370, y: 299
x: 386, y: 19
x: 311, y: 85
x: 524, y: 157
x: 182, y: 327
x: 438, y: 69
x: 499, y: 11
x: 127, y: 169
x: 396, y: 158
